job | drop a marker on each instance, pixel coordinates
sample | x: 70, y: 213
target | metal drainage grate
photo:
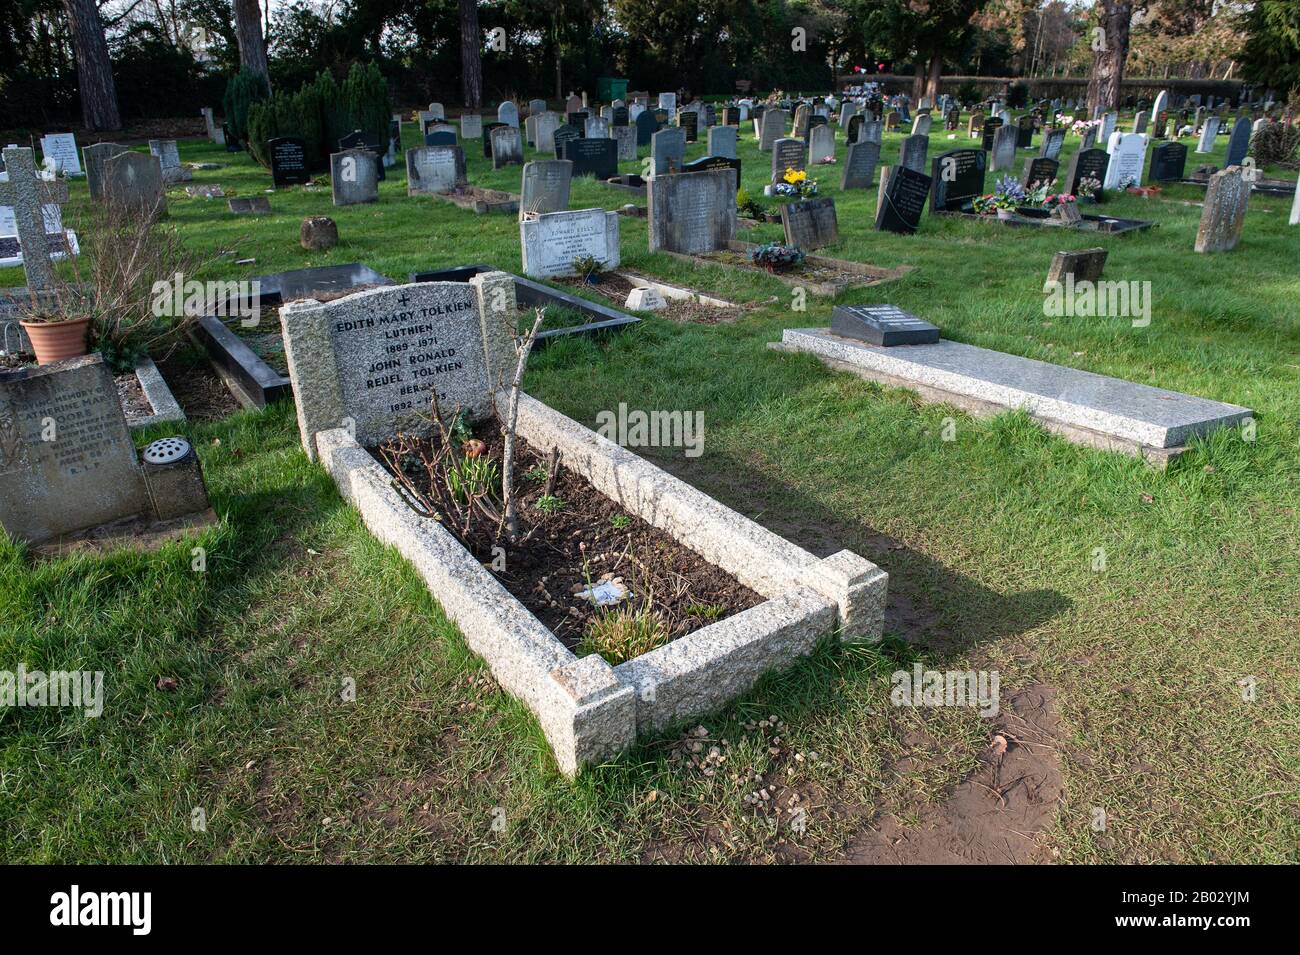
x: 166, y: 450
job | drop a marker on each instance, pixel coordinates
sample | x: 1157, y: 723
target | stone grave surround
x: 369, y: 361
x: 549, y: 242
x: 85, y: 472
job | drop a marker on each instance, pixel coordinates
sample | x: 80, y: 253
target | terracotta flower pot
x: 55, y: 341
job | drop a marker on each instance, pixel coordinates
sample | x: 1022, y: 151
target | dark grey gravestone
x: 860, y: 165
x: 133, y: 181
x: 1168, y: 162
x: 545, y: 185
x: 1083, y: 265
x: 441, y: 137
x: 592, y: 157
x: 902, y: 200
x: 67, y: 461
x: 957, y: 178
x: 93, y: 159
x: 646, y: 125
x: 854, y: 132
x: 722, y: 141
x: 1053, y: 140
x: 359, y: 140
x: 1085, y: 164
x: 884, y: 325
x: 714, y: 162
x: 1004, y: 148
x: 689, y: 121
x: 288, y: 161
x: 991, y: 127
x: 787, y: 154
x: 692, y: 212
x: 667, y: 150
x: 1039, y: 170
x: 507, y: 147
x: 810, y: 223
x: 435, y: 169
x: 564, y: 134
x: 1025, y: 131
x: 487, y: 138
x: 1238, y: 142
x: 619, y: 116
x: 913, y: 151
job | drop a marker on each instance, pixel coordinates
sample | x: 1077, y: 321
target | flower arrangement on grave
x: 1079, y: 126
x: 1089, y: 188
x: 827, y: 161
x: 795, y: 184
x: 1008, y: 194
x: 775, y: 257
x: 1054, y: 199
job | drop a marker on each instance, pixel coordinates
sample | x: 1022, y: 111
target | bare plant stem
x: 523, y: 347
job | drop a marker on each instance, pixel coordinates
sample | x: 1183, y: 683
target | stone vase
x: 55, y: 341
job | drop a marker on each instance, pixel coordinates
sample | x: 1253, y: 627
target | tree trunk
x: 934, y: 81
x: 94, y: 68
x: 471, y: 60
x: 918, y: 79
x: 1108, y: 63
x: 559, y: 57
x: 248, y: 32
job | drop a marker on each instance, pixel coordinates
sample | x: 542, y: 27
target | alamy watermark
x: 177, y: 296
x: 921, y: 687
x: 1088, y: 299
x: 653, y: 429
x: 65, y: 689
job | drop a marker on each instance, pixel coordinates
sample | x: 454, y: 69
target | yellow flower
x: 795, y: 176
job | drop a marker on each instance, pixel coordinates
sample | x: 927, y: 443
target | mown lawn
x: 990, y: 541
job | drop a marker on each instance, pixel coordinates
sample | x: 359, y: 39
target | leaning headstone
x: 1168, y: 162
x: 435, y: 169
x: 921, y: 124
x: 94, y: 157
x: 1127, y: 156
x: 860, y: 166
x: 1225, y: 211
x: 1140, y: 121
x: 354, y: 177
x: 564, y: 134
x: 956, y: 179
x: 1108, y: 121
x: 1084, y: 265
x: 1238, y: 143
x: 625, y: 138
x: 544, y: 131
x: 592, y: 157
x: 1085, y: 164
x: 23, y: 193
x: 914, y: 149
x: 288, y: 161
x: 722, y: 141
x: 902, y: 200
x: 1004, y: 147
x: 551, y: 241
x: 507, y: 146
x: 787, y: 154
x: 60, y: 149
x: 810, y: 223
x: 545, y: 186
x: 1208, y: 133
x: 882, y: 325
x: 1053, y: 140
x: 169, y: 160
x: 508, y: 113
x: 471, y: 126
x: 692, y: 212
x: 667, y: 150
x: 373, y: 361
x: 67, y: 461
x: 133, y: 183
x: 1089, y: 138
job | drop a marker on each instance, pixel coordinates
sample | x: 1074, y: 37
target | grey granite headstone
x: 133, y: 182
x: 544, y: 130
x: 914, y: 150
x: 821, y: 143
x: 93, y: 158
x: 507, y: 146
x: 373, y: 361
x: 625, y: 136
x: 1238, y: 143
x: 436, y: 169
x: 860, y: 166
x: 1053, y: 140
x: 354, y: 176
x: 1208, y: 132
x: 810, y: 223
x: 787, y: 154
x: 1224, y: 212
x: 722, y: 141
x: 773, y: 128
x: 508, y: 113
x: 536, y: 106
x: 471, y: 126
x: 169, y: 160
x: 545, y: 186
x: 550, y: 242
x: 67, y: 461
x: 668, y: 150
x: 921, y: 124
x: 692, y: 212
x: 1004, y: 148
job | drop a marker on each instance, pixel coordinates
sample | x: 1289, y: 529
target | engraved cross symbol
x: 404, y: 299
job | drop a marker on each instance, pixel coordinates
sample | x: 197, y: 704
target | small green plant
x: 472, y: 478
x: 705, y: 611
x: 537, y: 474
x: 549, y: 504
x: 589, y: 268
x: 621, y: 521
x: 748, y: 206
x: 623, y: 634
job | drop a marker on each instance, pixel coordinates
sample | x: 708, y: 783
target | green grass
x: 989, y: 538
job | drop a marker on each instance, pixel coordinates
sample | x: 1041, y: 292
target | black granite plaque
x: 957, y: 178
x: 884, y: 325
x: 592, y: 157
x: 288, y: 161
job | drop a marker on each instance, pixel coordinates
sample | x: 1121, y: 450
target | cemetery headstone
x: 991, y: 127
x: 902, y: 200
x: 22, y: 192
x: 1168, y: 162
x: 1053, y: 140
x: 646, y: 125
x: 883, y: 325
x: 288, y: 161
x: 668, y: 150
x: 773, y: 128
x: 810, y: 223
x: 435, y: 169
x: 565, y: 133
x: 1224, y: 212
x: 921, y: 125
x: 249, y: 205
x: 133, y: 183
x: 544, y: 128
x: 354, y: 177
x: 1140, y: 122
x: 853, y: 132
x: 787, y: 154
x: 592, y: 157
x: 1085, y: 164
x: 1238, y: 142
x: 821, y: 143
x: 956, y: 179
x: 722, y: 141
x: 1108, y: 122
x: 689, y: 121
x: 860, y: 166
x: 1127, y: 156
x: 1083, y: 265
x: 507, y: 146
x: 1038, y: 171
x: 1025, y: 131
x: 597, y: 128
x: 471, y: 126
x: 692, y: 212
x: 545, y: 186
x: 169, y: 160
x: 94, y: 157
x: 914, y: 149
x: 61, y: 148
x: 551, y: 241
x: 508, y: 113
x: 1004, y: 147
x: 625, y: 140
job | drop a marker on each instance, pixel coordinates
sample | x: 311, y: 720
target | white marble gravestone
x: 552, y: 241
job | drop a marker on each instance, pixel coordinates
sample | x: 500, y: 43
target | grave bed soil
x: 198, y: 389
x: 545, y: 567
x: 615, y: 288
x: 480, y: 200
x: 821, y: 275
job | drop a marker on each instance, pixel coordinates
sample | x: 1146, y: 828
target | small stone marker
x: 354, y: 177
x: 956, y: 179
x: 810, y: 223
x: 693, y: 212
x: 551, y: 241
x: 592, y: 157
x: 667, y: 150
x: 205, y: 190
x: 133, y: 183
x: 1208, y: 132
x: 435, y: 169
x: 1225, y: 211
x: 883, y: 325
x: 902, y: 200
x: 545, y: 186
x: 507, y: 146
x: 373, y: 361
x: 1083, y: 265
x: 288, y: 161
x: 169, y: 160
x: 250, y: 205
x: 318, y: 233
